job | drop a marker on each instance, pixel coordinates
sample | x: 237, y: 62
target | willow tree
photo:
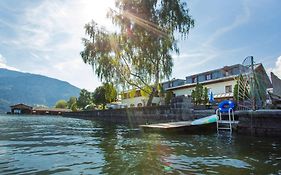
x: 139, y: 53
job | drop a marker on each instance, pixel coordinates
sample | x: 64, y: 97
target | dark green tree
x: 110, y: 92
x: 241, y: 89
x: 168, y: 97
x: 104, y: 94
x: 205, y: 96
x: 140, y: 53
x: 84, y: 99
x: 198, y: 94
x: 61, y: 104
x: 235, y: 92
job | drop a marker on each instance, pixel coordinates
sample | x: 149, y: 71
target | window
x: 228, y: 89
x: 226, y: 73
x: 194, y: 80
x: 208, y: 76
x: 132, y: 105
x: 138, y: 93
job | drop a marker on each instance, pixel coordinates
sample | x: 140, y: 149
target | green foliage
x: 104, y: 94
x: 205, y: 96
x: 90, y: 107
x: 61, y: 104
x: 146, y: 91
x: 241, y: 89
x: 110, y: 92
x: 168, y: 97
x: 71, y: 101
x: 99, y: 96
x: 132, y: 93
x: 161, y: 91
x: 84, y: 99
x: 140, y: 54
x: 235, y: 92
x: 74, y: 107
x: 200, y: 95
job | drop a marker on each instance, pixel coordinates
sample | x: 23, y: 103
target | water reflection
x: 50, y: 145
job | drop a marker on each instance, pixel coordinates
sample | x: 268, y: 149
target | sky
x: 44, y: 36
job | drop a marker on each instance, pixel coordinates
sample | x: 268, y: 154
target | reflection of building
x: 136, y: 99
x: 25, y: 109
x: 220, y: 82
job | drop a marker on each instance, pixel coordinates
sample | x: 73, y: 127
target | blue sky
x: 44, y: 37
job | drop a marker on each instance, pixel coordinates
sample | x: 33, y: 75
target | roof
x: 202, y: 73
x: 276, y: 83
x: 223, y: 79
x: 21, y: 105
x: 172, y: 80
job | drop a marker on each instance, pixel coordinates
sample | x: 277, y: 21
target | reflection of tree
x: 113, y: 161
x: 128, y: 152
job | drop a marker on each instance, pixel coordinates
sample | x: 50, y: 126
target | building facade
x: 136, y: 99
x: 220, y: 82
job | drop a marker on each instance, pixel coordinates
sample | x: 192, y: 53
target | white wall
x: 138, y: 100
x: 216, y: 88
x: 219, y: 88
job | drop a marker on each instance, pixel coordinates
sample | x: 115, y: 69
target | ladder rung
x: 228, y: 122
x: 225, y: 128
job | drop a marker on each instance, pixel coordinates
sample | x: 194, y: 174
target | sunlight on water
x: 56, y: 145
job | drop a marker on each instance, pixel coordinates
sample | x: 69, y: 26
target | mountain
x: 32, y: 89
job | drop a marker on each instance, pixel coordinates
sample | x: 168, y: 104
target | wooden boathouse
x: 28, y: 110
x: 21, y: 109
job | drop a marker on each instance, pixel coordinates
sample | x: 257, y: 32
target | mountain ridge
x: 32, y: 89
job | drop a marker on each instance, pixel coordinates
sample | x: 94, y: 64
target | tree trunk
x: 151, y: 96
x: 154, y: 88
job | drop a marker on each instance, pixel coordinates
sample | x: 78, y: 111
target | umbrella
x: 211, y: 97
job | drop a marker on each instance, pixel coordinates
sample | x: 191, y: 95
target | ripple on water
x: 50, y: 145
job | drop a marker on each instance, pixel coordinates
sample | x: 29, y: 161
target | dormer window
x: 226, y: 73
x: 208, y: 76
x: 194, y: 80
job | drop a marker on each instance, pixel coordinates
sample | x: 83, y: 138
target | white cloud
x: 277, y: 69
x: 239, y: 20
x: 50, y: 32
x: 191, y: 62
x: 3, y: 64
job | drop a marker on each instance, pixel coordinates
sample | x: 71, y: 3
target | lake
x: 57, y: 145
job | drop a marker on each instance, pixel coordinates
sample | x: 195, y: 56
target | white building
x: 220, y: 82
x: 138, y: 100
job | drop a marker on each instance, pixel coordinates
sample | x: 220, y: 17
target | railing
x: 221, y: 123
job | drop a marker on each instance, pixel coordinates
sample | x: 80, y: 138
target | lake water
x: 57, y: 145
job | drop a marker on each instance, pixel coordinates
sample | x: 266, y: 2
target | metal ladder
x: 225, y: 124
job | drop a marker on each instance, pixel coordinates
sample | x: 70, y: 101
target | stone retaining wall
x: 142, y: 115
x: 260, y: 122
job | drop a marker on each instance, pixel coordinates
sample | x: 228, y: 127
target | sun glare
x: 96, y: 10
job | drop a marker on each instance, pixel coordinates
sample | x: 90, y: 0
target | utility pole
x: 253, y: 84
